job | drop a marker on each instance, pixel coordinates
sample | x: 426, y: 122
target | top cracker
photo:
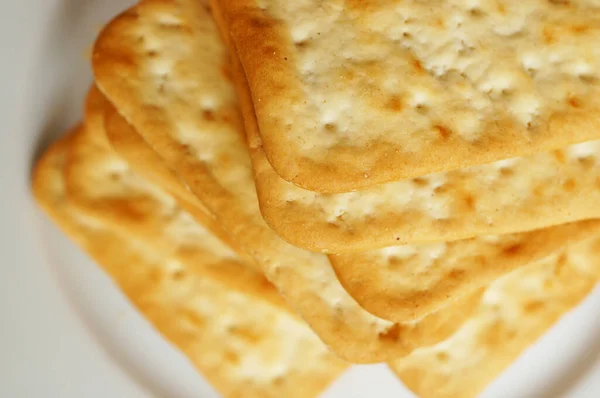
x: 352, y: 93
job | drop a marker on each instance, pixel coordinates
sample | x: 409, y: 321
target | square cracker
x: 406, y: 282
x: 403, y: 283
x: 514, y: 312
x: 178, y: 98
x: 508, y: 196
x: 512, y: 195
x: 243, y: 347
x: 353, y: 93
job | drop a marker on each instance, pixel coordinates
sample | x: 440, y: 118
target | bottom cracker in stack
x: 245, y: 347
x: 404, y: 283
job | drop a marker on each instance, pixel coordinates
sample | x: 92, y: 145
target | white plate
x: 66, y: 332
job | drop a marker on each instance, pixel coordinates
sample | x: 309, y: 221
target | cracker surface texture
x: 349, y: 94
x: 402, y: 283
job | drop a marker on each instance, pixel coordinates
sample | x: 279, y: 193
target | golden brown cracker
x: 406, y: 282
x: 403, y: 283
x: 509, y: 196
x: 350, y: 94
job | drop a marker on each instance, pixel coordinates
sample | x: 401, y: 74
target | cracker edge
x: 266, y: 53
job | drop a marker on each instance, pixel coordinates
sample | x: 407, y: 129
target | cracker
x: 514, y: 195
x: 514, y: 312
x: 349, y: 94
x: 244, y: 347
x: 406, y: 282
x: 403, y: 283
x: 508, y: 196
x: 178, y: 98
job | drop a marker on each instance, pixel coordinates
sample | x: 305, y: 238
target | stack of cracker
x: 417, y: 181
